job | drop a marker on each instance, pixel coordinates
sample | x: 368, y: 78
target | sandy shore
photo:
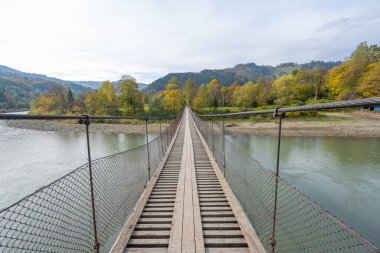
x: 335, y: 124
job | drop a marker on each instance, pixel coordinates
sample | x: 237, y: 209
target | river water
x: 31, y: 159
x: 340, y: 174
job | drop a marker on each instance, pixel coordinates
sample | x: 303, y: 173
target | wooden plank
x: 155, y: 221
x: 126, y: 231
x: 223, y: 233
x: 198, y: 231
x: 221, y: 226
x: 175, y: 241
x: 161, y: 234
x: 188, y: 229
x: 132, y: 243
x: 153, y: 226
x: 151, y: 250
x: 225, y: 242
x: 218, y: 220
x: 227, y: 250
x: 250, y: 235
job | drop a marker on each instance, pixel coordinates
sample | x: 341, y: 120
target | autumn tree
x: 343, y: 81
x: 157, y: 106
x: 264, y: 91
x: 102, y: 101
x: 245, y: 96
x: 214, y: 93
x: 57, y: 101
x: 189, y: 91
x: 370, y: 83
x: 200, y: 99
x: 230, y: 92
x: 172, y: 98
x: 130, y: 99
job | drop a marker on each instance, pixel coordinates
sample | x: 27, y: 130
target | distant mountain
x: 241, y: 73
x: 89, y: 84
x: 142, y: 86
x: 96, y: 84
x: 18, y: 89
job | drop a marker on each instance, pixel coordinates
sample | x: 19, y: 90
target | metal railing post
x: 162, y: 148
x: 212, y: 133
x: 86, y: 121
x: 206, y: 134
x: 147, y: 145
x: 173, y: 125
x: 224, y: 150
x: 281, y: 117
x: 172, y: 129
x: 167, y: 131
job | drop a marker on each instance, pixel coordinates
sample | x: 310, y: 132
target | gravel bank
x: 334, y: 124
x: 76, y: 128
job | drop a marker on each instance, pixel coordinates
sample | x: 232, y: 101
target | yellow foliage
x: 172, y: 98
x: 370, y: 83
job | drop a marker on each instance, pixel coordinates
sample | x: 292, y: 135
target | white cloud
x: 100, y: 39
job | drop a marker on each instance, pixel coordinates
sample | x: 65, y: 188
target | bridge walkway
x: 188, y: 205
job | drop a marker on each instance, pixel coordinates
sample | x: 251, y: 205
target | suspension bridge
x: 188, y: 190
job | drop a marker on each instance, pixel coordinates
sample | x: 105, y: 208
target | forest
x: 358, y: 76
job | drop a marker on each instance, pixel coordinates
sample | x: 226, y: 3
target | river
x: 340, y: 174
x: 31, y: 159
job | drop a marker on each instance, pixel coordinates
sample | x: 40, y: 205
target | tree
x: 173, y: 80
x: 130, y: 99
x: 200, y: 99
x: 189, y: 91
x: 264, y: 93
x: 157, y: 106
x: 172, y: 98
x: 127, y: 77
x: 282, y: 89
x: 102, y: 101
x: 43, y: 104
x: 245, y: 96
x: 69, y: 100
x: 230, y: 93
x: 214, y: 93
x: 91, y: 102
x: 343, y: 80
x: 317, y: 80
x: 370, y: 83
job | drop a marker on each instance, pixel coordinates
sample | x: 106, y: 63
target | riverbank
x: 64, y: 127
x: 331, y: 124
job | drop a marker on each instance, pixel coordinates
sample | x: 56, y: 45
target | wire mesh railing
x: 285, y: 219
x: 64, y: 216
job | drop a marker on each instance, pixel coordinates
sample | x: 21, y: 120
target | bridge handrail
x: 84, y: 210
x: 285, y: 219
x: 331, y: 105
x: 13, y: 116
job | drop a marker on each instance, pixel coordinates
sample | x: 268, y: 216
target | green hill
x: 18, y: 89
x: 241, y: 73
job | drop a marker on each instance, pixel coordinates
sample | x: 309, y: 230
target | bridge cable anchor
x: 85, y: 121
x: 276, y: 113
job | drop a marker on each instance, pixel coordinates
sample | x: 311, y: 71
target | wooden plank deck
x: 188, y: 205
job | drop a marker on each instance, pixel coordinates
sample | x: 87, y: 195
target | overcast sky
x: 103, y: 39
